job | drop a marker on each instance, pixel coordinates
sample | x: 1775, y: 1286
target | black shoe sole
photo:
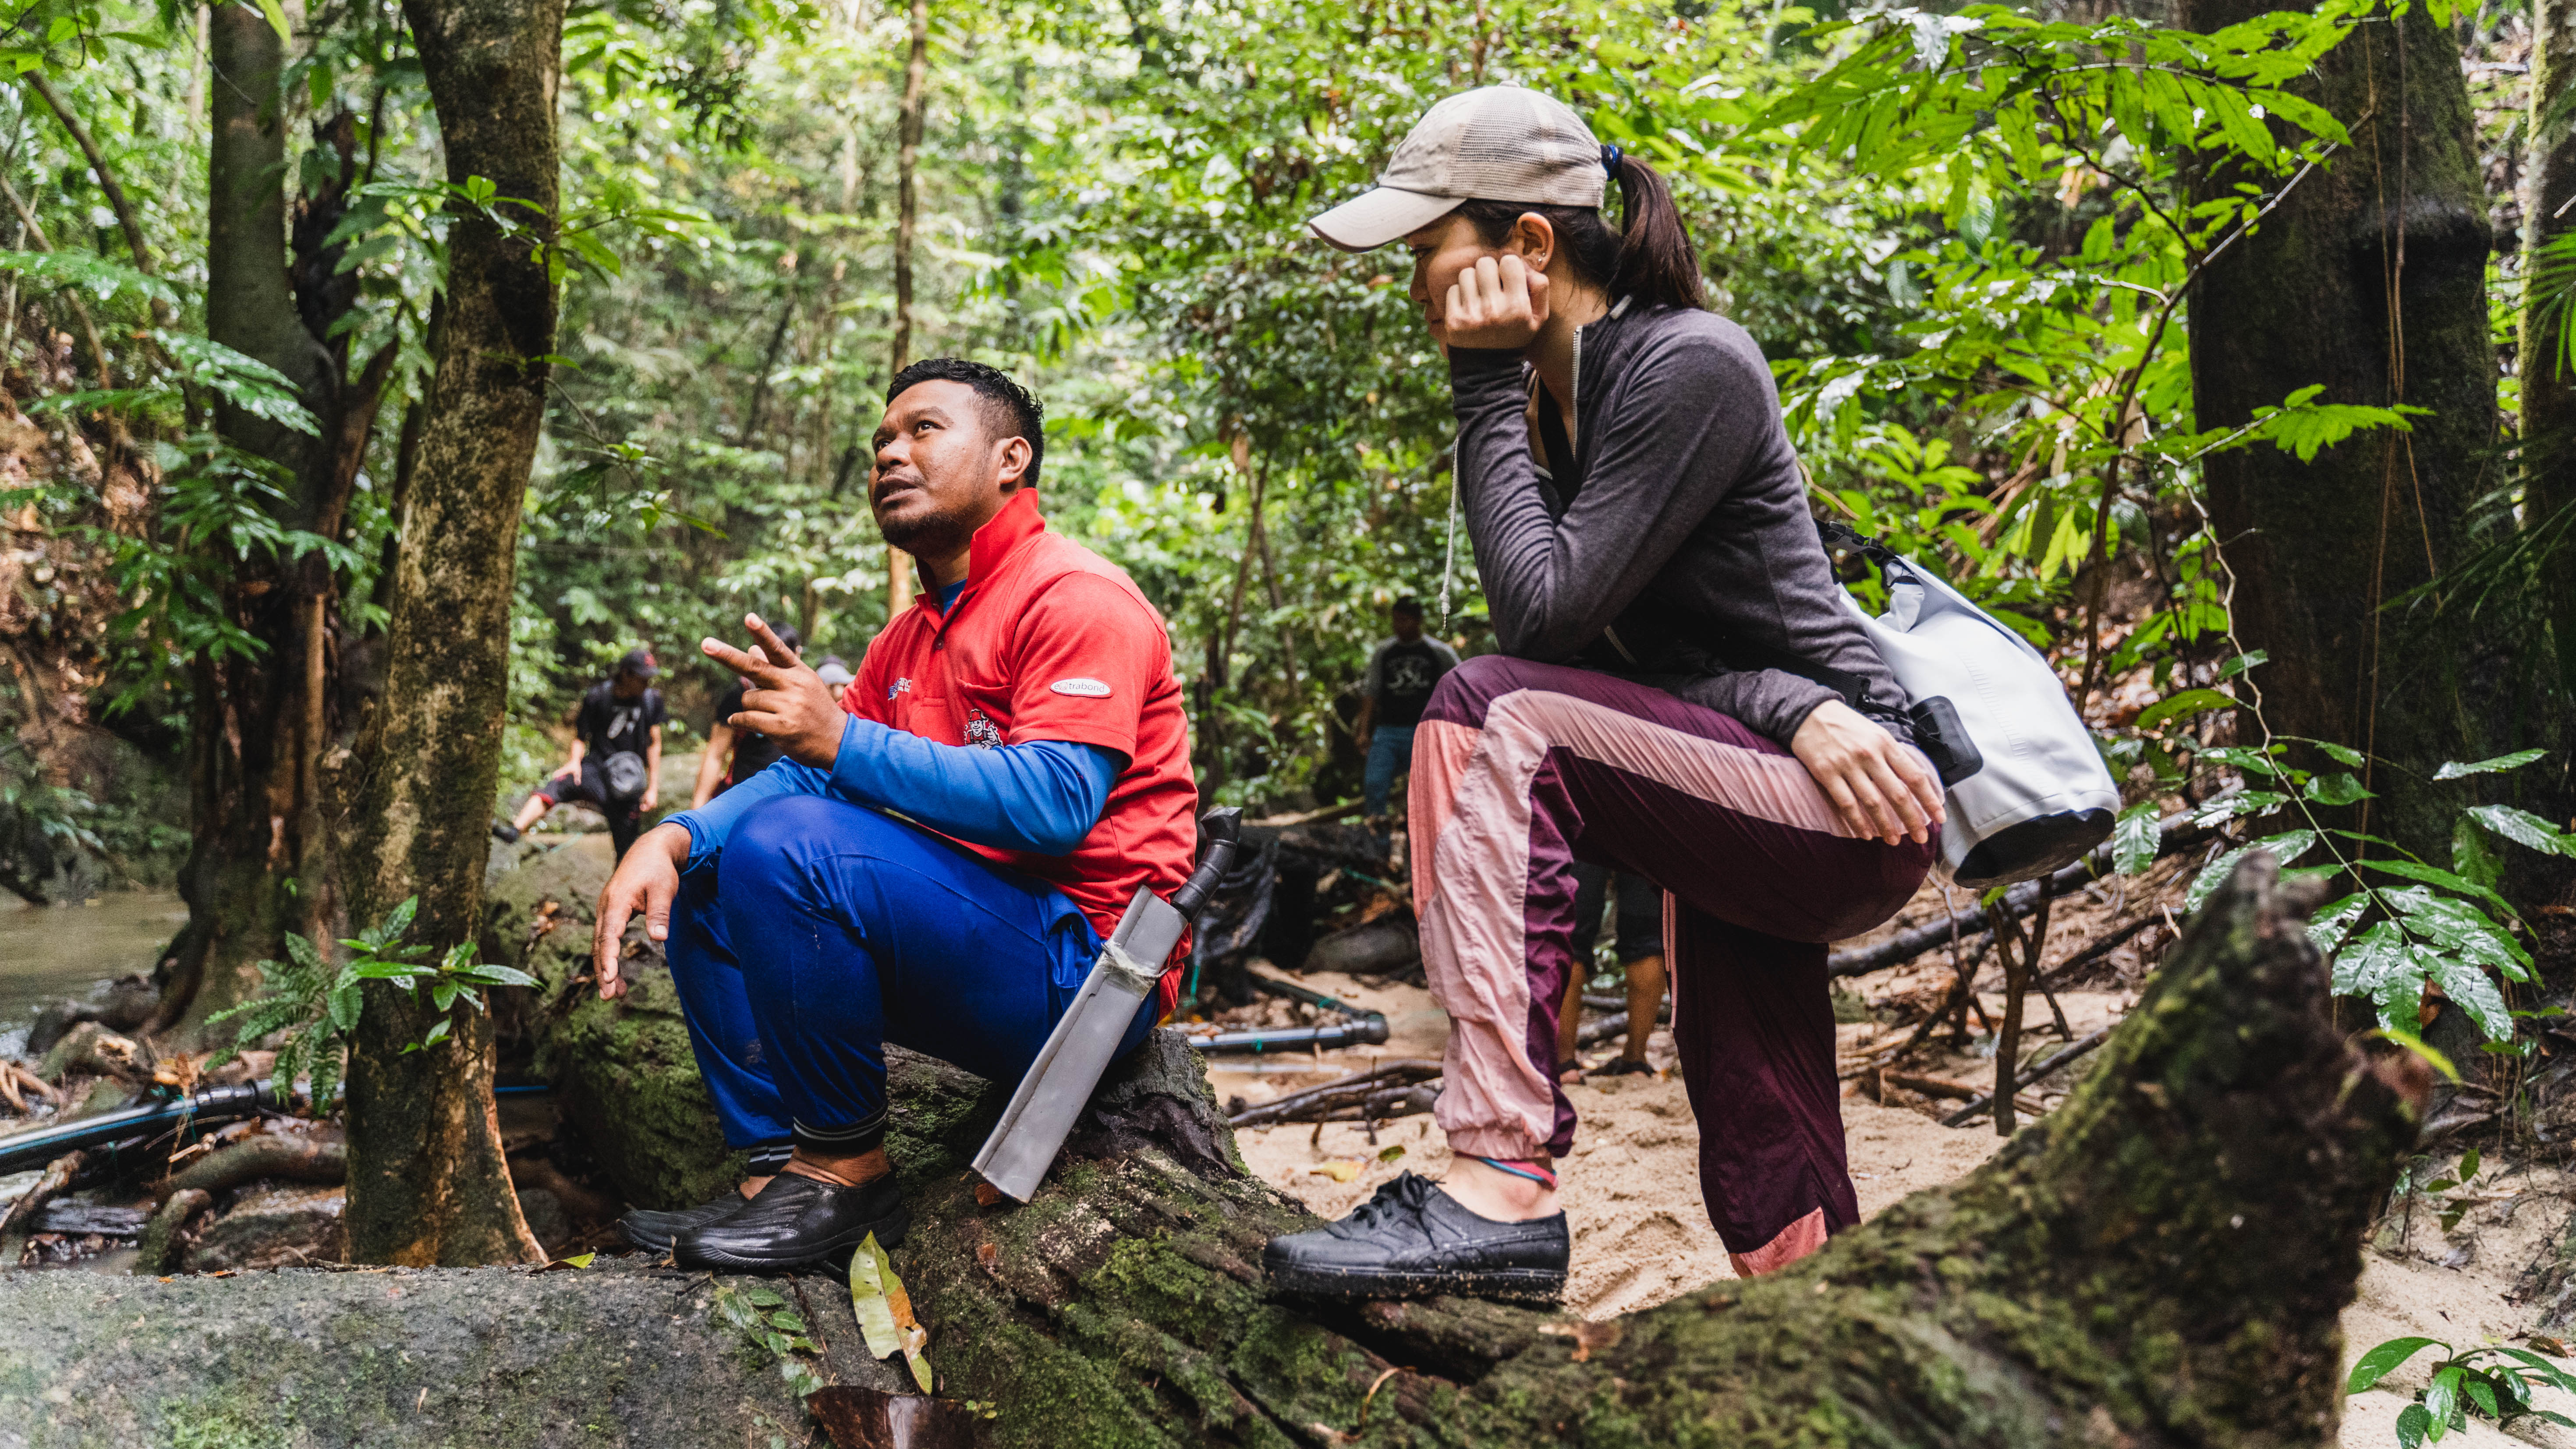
x: 653, y: 1242
x: 889, y: 1231
x: 1511, y: 1285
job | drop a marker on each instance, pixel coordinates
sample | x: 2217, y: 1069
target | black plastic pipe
x: 1367, y: 1031
x: 22, y: 1150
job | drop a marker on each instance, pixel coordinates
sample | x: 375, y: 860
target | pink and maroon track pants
x: 1520, y: 769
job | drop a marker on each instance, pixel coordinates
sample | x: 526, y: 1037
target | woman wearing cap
x: 1681, y: 694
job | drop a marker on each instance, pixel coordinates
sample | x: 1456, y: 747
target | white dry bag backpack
x: 2027, y: 791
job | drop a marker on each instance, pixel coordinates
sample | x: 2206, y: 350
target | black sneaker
x: 654, y: 1231
x: 1413, y: 1239
x: 505, y: 832
x: 795, y: 1221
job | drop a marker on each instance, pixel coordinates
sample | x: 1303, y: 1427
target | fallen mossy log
x: 2159, y: 1262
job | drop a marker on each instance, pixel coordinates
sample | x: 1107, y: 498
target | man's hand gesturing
x: 646, y: 881
x: 787, y: 701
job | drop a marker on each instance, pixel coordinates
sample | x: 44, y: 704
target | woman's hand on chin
x: 1497, y: 305
x: 1879, y: 787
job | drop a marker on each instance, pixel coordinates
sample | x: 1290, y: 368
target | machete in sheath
x: 1059, y: 1083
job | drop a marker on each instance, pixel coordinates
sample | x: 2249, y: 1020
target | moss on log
x: 2160, y: 1262
x: 622, y: 1071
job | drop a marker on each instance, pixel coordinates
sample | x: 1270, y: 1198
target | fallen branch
x: 14, y: 1224
x: 1969, y: 1112
x: 2020, y: 900
x: 2100, y: 948
x: 1931, y: 1086
x: 1342, y: 1094
x: 294, y: 1159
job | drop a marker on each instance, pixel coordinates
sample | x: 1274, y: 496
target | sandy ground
x: 1641, y: 1235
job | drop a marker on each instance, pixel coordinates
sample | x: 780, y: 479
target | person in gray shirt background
x: 1401, y: 675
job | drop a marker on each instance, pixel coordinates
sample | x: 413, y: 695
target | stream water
x: 48, y: 953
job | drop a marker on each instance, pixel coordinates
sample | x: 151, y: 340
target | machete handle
x: 1217, y: 828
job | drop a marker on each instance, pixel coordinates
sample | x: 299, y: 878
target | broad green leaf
x: 306, y: 954
x: 2339, y: 788
x: 2383, y: 1360
x: 276, y: 14
x: 2442, y: 1400
x: 2471, y: 857
x: 2480, y: 1393
x: 397, y: 921
x: 868, y: 1273
x: 2521, y: 827
x: 2183, y: 706
x: 2383, y: 965
x: 2413, y: 1422
x: 2136, y: 838
x: 2550, y: 1373
x: 2333, y: 922
x: 2285, y: 847
x: 2249, y: 660
x: 491, y: 974
x: 2434, y: 875
x: 2476, y: 993
x: 2515, y: 761
x: 2459, y: 927
x: 2252, y: 762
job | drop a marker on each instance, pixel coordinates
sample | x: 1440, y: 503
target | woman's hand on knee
x: 647, y: 880
x: 1879, y: 787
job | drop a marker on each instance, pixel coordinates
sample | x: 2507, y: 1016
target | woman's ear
x: 1534, y: 239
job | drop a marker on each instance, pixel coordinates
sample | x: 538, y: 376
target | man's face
x: 627, y: 685
x: 1408, y: 627
x: 942, y: 472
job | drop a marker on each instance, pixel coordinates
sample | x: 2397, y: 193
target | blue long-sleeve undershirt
x: 1042, y: 796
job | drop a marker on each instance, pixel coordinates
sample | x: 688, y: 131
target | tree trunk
x: 916, y: 87
x: 2369, y: 279
x: 260, y: 865
x: 2548, y: 384
x: 427, y: 1183
x: 2162, y: 1261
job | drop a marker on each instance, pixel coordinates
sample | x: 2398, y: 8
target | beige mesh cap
x: 1498, y: 143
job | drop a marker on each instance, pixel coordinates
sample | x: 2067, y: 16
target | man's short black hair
x: 1013, y: 409
x: 1406, y: 604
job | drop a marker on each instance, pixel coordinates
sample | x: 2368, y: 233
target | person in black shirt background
x: 735, y: 755
x: 1400, y: 676
x: 616, y: 759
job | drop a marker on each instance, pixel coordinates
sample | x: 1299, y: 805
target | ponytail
x: 1657, y: 263
x: 1650, y: 256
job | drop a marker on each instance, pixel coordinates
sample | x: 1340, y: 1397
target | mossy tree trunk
x: 2369, y: 279
x: 263, y: 727
x: 2548, y: 383
x: 2162, y: 1261
x: 427, y: 1183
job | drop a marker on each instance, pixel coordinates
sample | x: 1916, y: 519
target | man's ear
x: 1011, y: 463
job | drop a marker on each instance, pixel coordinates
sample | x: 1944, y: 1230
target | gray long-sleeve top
x: 1681, y: 552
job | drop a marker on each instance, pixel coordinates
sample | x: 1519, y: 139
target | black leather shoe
x: 505, y: 832
x: 1413, y: 1239
x: 654, y: 1230
x: 795, y: 1221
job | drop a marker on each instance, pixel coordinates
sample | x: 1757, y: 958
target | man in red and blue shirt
x: 1023, y: 719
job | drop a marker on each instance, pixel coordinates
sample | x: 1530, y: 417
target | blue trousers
x: 826, y: 930
x: 1390, y: 754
